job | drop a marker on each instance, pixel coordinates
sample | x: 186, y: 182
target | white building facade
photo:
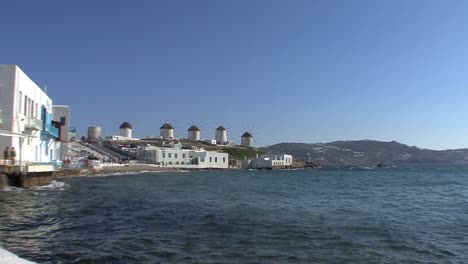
x: 183, y: 158
x: 271, y: 161
x: 26, y: 118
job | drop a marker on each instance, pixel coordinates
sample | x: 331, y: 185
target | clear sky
x: 288, y: 71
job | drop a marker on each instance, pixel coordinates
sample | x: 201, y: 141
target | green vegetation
x: 240, y: 153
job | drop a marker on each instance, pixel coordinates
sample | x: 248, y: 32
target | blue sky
x: 288, y: 71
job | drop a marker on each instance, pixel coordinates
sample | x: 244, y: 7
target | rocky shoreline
x: 65, y: 173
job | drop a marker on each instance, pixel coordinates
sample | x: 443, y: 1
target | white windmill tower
x: 126, y: 130
x: 247, y: 140
x: 221, y: 135
x: 167, y: 131
x: 194, y: 133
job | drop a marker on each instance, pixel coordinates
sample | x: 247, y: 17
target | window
x: 62, y: 120
x: 177, y: 163
x: 224, y: 159
x: 175, y: 155
x: 170, y: 162
x: 32, y: 108
x: 25, y: 105
x: 216, y: 159
x: 183, y: 163
x: 20, y: 100
x: 183, y: 155
x: 169, y: 155
x: 164, y: 154
x: 210, y: 159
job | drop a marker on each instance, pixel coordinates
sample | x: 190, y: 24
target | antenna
x: 45, y: 88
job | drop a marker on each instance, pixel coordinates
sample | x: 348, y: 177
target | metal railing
x: 53, y: 131
x: 49, y: 132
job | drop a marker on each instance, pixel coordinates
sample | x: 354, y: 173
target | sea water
x: 386, y: 215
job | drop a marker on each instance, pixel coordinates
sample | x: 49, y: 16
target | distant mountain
x: 367, y: 153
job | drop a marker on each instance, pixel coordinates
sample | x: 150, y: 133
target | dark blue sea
x: 354, y: 215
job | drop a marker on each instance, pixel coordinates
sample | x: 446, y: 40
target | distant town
x: 37, y: 140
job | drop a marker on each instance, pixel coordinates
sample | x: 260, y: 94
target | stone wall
x: 36, y: 179
x: 3, y: 180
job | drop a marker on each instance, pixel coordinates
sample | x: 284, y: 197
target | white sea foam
x: 12, y: 189
x: 361, y: 168
x: 53, y: 186
x: 123, y: 173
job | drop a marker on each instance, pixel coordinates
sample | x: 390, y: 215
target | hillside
x: 367, y: 153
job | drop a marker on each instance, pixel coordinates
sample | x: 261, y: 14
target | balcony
x: 32, y: 123
x: 49, y: 132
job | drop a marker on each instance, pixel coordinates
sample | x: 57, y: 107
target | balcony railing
x: 53, y: 131
x: 33, y: 123
x: 50, y: 132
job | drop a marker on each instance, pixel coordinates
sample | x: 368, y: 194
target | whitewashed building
x: 183, y: 158
x: 120, y: 138
x: 271, y: 161
x: 211, y: 141
x: 26, y: 118
x: 61, y: 114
